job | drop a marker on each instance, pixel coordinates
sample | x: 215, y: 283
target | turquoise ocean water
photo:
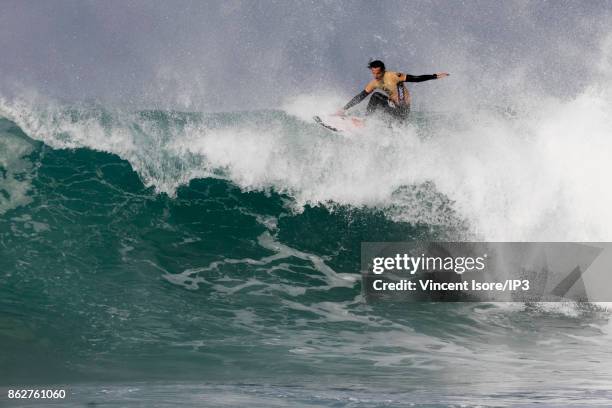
x: 180, y: 259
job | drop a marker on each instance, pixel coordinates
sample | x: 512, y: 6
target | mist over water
x: 234, y: 55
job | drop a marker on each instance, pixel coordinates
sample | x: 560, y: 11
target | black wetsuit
x: 379, y: 102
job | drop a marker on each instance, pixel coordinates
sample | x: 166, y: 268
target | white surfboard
x: 341, y: 124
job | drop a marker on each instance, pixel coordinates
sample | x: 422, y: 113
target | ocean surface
x: 159, y: 258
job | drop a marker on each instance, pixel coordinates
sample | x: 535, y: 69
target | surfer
x: 394, y: 98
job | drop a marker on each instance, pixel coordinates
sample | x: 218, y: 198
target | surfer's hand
x: 340, y: 112
x: 441, y: 75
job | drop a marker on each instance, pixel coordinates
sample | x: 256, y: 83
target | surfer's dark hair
x: 376, y: 64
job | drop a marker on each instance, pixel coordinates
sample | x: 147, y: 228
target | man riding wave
x: 394, y: 98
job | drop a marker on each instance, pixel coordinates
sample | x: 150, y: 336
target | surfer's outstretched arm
x: 356, y: 99
x: 421, y: 78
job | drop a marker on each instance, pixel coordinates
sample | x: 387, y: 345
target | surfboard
x: 340, y: 124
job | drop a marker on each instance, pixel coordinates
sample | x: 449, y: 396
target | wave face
x: 224, y: 247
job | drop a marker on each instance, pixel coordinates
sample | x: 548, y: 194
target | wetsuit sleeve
x: 420, y: 78
x: 358, y: 98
